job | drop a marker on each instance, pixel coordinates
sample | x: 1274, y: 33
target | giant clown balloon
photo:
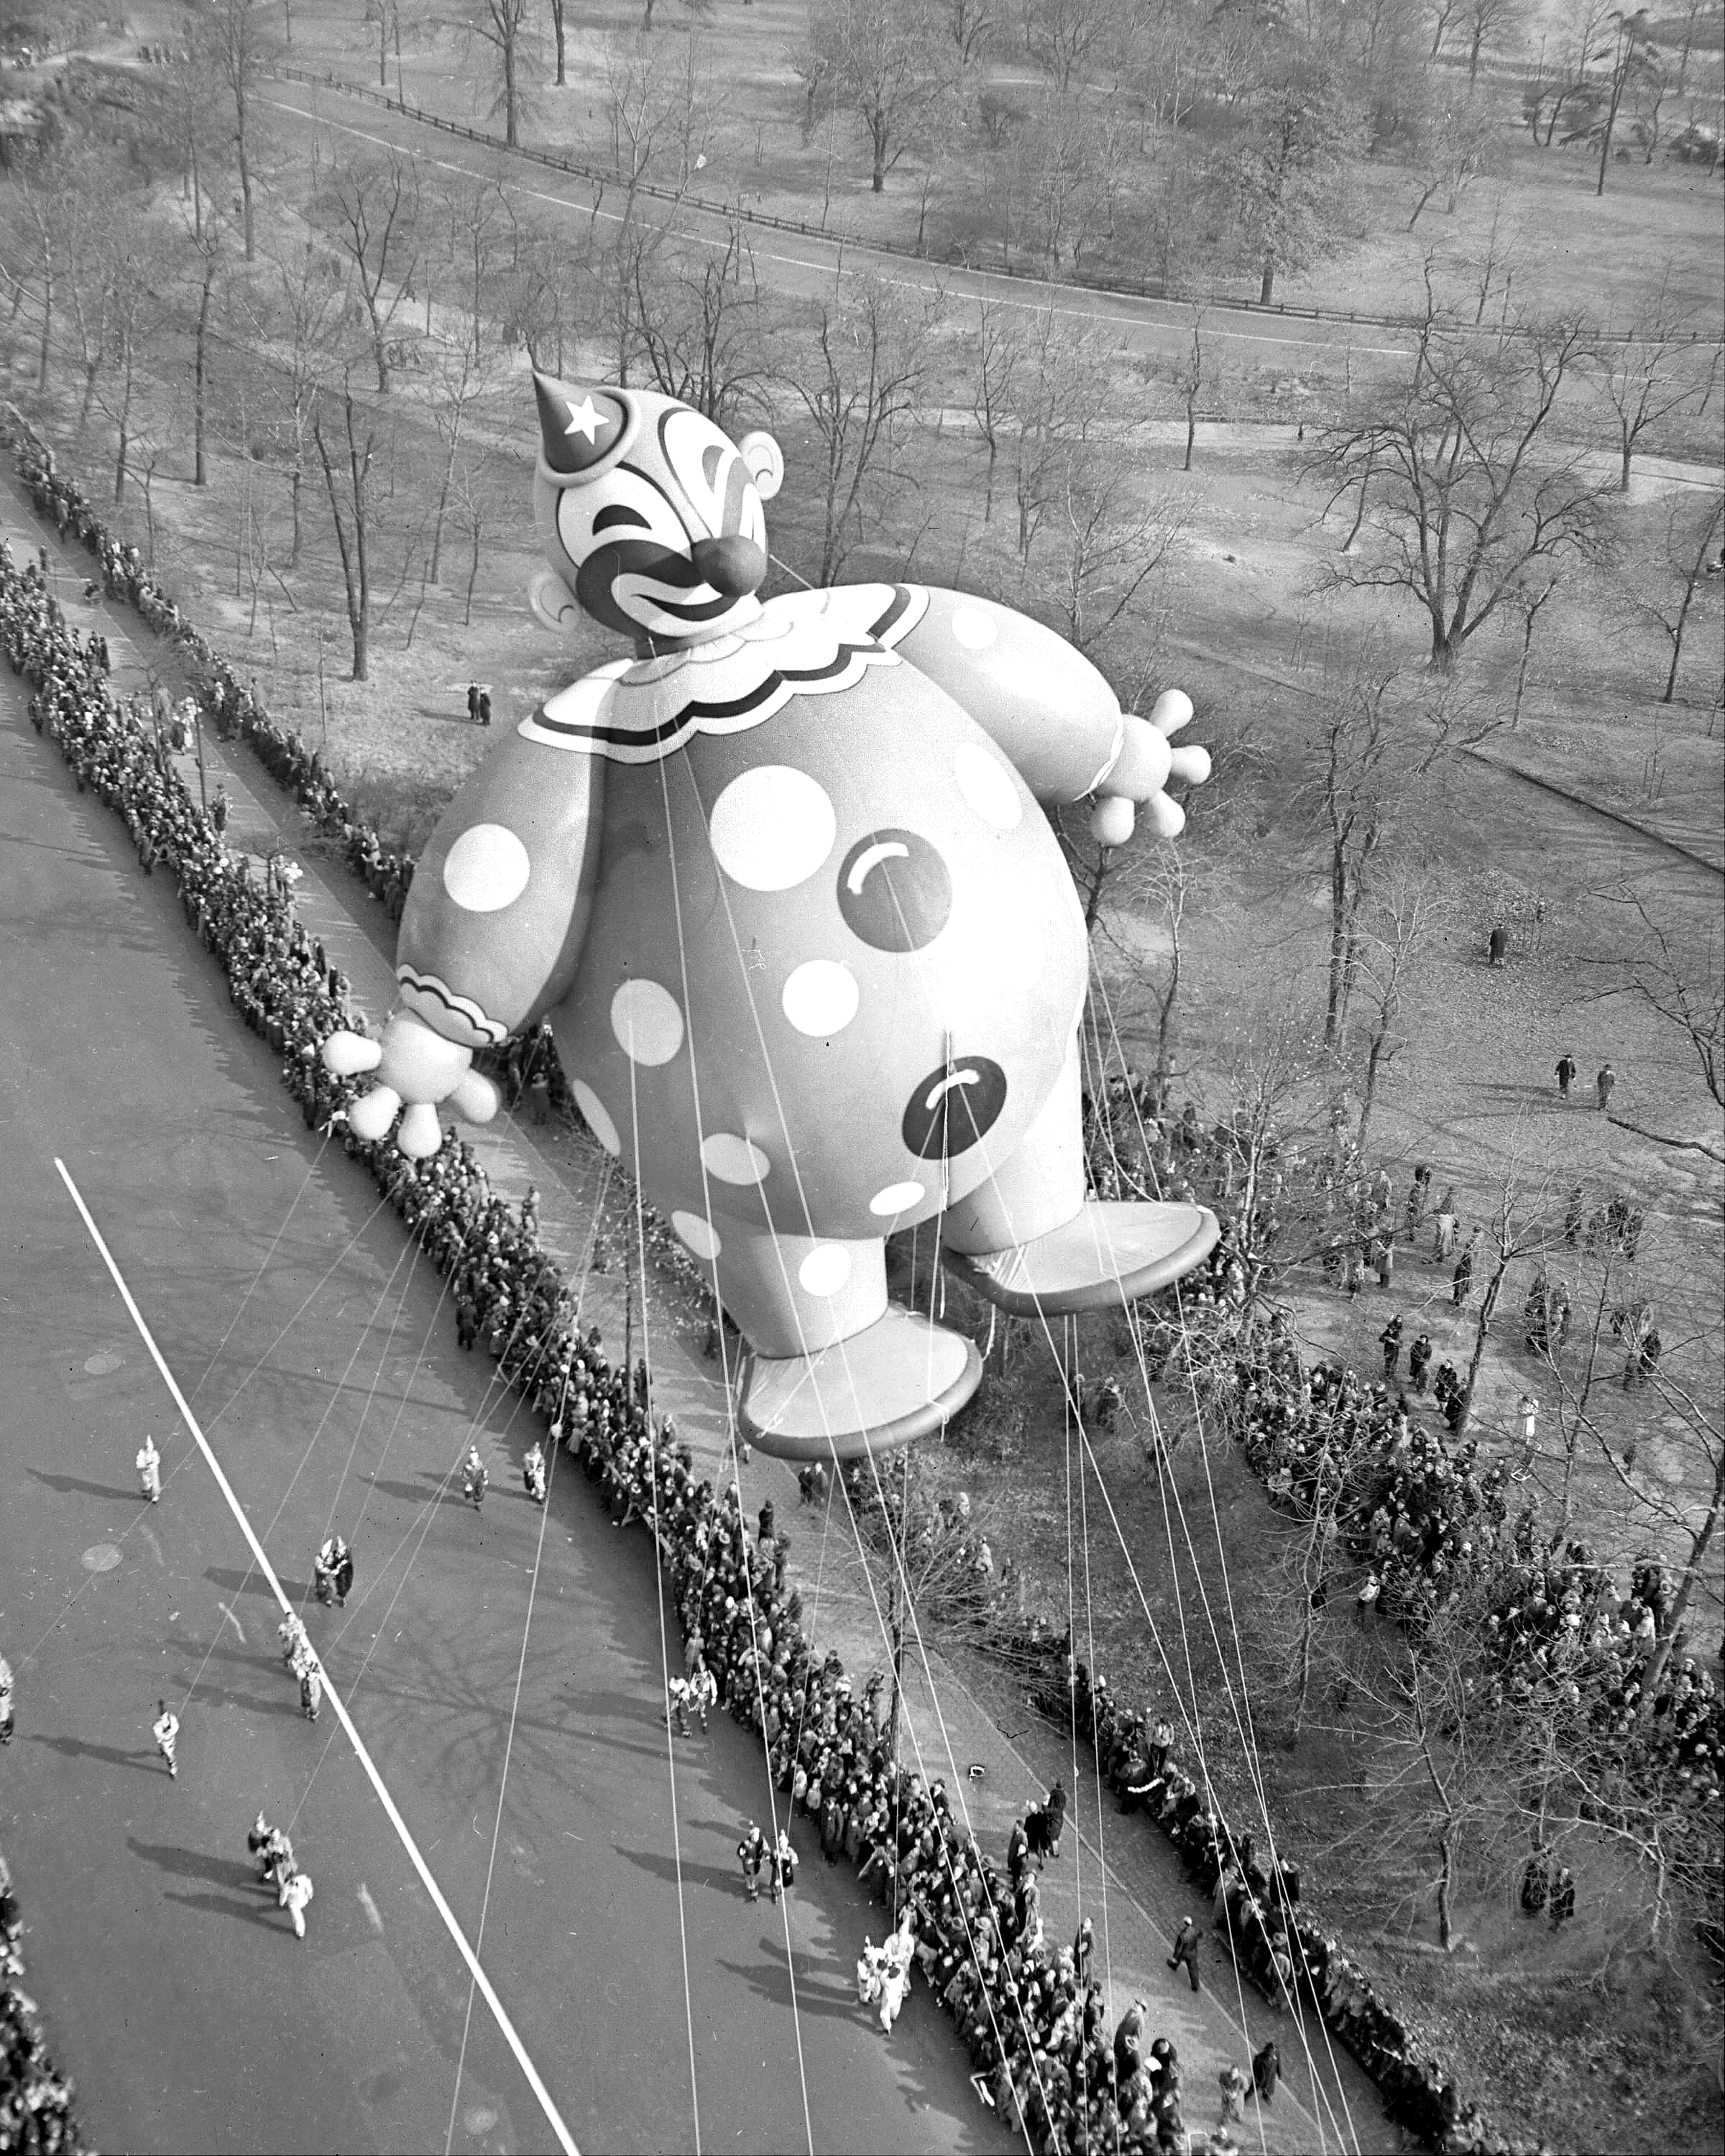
x: 811, y: 958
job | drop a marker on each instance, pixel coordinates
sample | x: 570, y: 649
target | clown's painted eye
x: 615, y: 515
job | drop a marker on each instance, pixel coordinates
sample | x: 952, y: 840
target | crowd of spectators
x: 37, y: 2117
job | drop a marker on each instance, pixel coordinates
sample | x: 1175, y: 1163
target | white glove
x: 1144, y: 766
x: 417, y: 1069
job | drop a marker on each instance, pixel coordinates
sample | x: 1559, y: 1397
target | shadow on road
x: 768, y: 1980
x: 721, y: 1880
x: 222, y: 1905
x: 410, y: 1493
x: 244, y: 1583
x: 74, y: 1748
x: 66, y: 1484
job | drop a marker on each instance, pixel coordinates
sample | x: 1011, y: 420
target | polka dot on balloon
x: 987, y: 786
x: 733, y: 1159
x: 598, y: 1115
x: 647, y: 1023
x: 700, y: 1235
x: 825, y: 1271
x: 896, y: 1198
x: 771, y: 828
x: 487, y: 869
x: 974, y: 628
x: 820, y: 997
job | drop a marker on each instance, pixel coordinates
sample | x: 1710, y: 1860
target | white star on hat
x: 584, y: 419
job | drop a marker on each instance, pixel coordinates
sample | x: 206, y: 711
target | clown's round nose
x: 734, y: 565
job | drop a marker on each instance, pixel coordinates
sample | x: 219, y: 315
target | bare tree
x: 373, y: 207
x: 1487, y: 23
x: 1665, y: 581
x: 883, y: 60
x: 859, y: 369
x: 348, y: 473
x: 242, y: 46
x: 1649, y: 376
x: 505, y: 29
x: 703, y: 326
x: 1676, y: 969
x: 1391, y: 941
x: 996, y: 350
x: 1472, y: 494
x: 1114, y: 540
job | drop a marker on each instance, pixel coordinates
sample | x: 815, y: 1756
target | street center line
x: 505, y: 2026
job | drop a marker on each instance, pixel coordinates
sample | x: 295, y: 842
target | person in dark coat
x: 1186, y: 1941
x: 1390, y: 1339
x: 1266, y: 2070
x: 1567, y: 1069
x: 1497, y: 946
x: 1420, y: 1361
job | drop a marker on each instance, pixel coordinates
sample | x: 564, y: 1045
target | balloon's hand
x: 1147, y: 762
x: 413, y: 1070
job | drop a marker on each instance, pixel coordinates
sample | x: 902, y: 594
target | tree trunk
x: 1488, y: 1304
x: 125, y: 429
x: 243, y: 156
x: 1267, y: 285
x: 200, y: 375
x: 1191, y: 433
x: 47, y: 319
x: 1692, y: 1572
x: 511, y: 117
x: 1445, y: 1887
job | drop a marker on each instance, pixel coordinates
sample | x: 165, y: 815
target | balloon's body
x: 807, y: 944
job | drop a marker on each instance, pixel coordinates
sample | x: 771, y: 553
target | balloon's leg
x: 833, y: 1370
x: 1031, y: 1241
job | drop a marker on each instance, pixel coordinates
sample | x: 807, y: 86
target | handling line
x: 505, y: 2026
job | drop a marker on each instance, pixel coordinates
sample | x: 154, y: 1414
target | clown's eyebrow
x: 616, y: 513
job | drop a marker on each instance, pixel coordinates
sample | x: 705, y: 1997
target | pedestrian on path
x: 292, y: 1895
x: 1266, y: 2070
x: 1567, y: 1069
x: 783, y: 1871
x: 1186, y: 1945
x: 257, y: 1841
x: 1602, y: 1083
x: 1234, y: 2089
x: 1084, y: 1945
x: 149, y: 1465
x: 533, y: 1472
x: 166, y: 1730
x: 474, y: 1479
x: 751, y: 1853
x: 311, y: 1689
x: 295, y: 1639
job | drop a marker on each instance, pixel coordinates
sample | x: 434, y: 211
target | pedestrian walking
x: 703, y: 1693
x: 1386, y: 1260
x: 1266, y: 2070
x: 474, y: 1479
x: 1497, y: 946
x: 751, y: 1854
x: 294, y: 1638
x: 1444, y: 1231
x: 533, y: 1472
x: 1567, y: 1068
x: 1602, y: 1083
x: 1420, y: 1361
x: 484, y: 707
x: 676, y: 1711
x: 257, y: 1841
x: 292, y: 1895
x: 1185, y: 1953
x: 1391, y: 1340
x: 333, y: 1572
x: 1530, y: 1425
x: 166, y: 1730
x: 311, y: 1689
x: 1084, y: 1945
x: 473, y: 703
x: 1234, y: 2089
x: 782, y: 1873
x: 1365, y: 1603
x: 149, y: 1467
x: 277, y: 1858
x: 6, y: 1692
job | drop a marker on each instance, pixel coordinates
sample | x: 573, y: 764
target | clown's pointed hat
x: 578, y: 429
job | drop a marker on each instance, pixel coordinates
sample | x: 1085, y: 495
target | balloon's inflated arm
x: 413, y: 1070
x: 1141, y: 770
x: 491, y: 937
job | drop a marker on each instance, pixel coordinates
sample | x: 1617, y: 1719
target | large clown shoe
x: 899, y: 1379
x: 1108, y: 1253
x: 1031, y: 1241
